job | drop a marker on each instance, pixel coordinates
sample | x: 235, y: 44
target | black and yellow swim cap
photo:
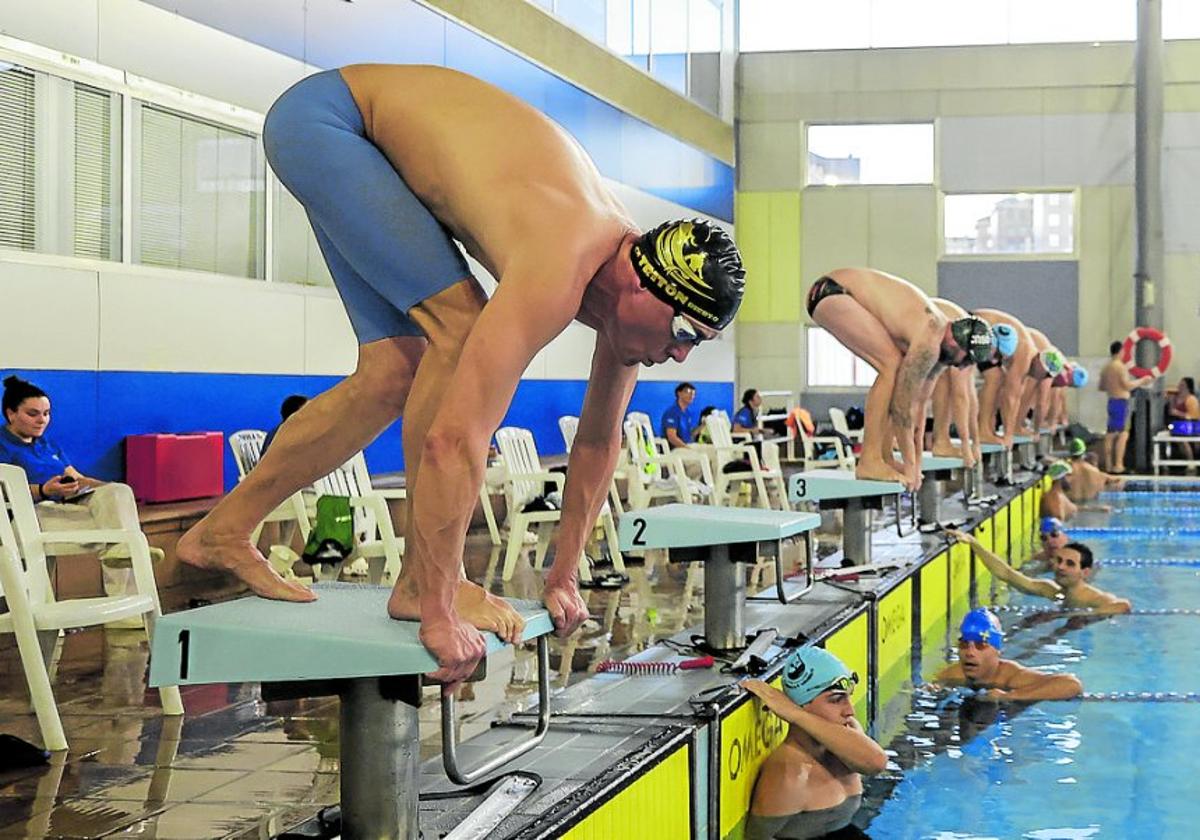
x: 693, y: 267
x: 974, y: 335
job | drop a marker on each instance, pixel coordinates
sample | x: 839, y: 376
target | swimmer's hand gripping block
x: 345, y: 634
x: 826, y: 485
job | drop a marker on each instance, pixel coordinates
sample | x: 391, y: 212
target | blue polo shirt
x: 42, y: 459
x: 683, y: 422
x: 745, y: 418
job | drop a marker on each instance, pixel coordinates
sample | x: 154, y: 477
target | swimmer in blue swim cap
x: 810, y: 785
x: 979, y: 666
x: 1005, y: 377
x: 954, y: 399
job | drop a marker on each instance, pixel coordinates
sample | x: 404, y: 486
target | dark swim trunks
x: 1118, y: 414
x: 385, y: 250
x: 823, y: 288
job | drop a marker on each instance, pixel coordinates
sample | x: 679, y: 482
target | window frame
x: 935, y: 138
x: 1035, y: 256
x: 809, y: 328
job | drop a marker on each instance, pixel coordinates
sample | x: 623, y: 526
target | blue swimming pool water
x: 1079, y: 769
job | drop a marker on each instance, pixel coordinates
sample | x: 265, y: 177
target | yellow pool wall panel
x: 656, y: 805
x: 748, y: 736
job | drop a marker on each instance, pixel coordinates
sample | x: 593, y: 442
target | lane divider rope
x: 1022, y: 609
x: 1142, y: 696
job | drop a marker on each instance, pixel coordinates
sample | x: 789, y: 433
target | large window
x: 677, y: 42
x: 197, y: 193
x: 1009, y: 223
x: 831, y: 365
x: 870, y: 154
x: 60, y: 171
x: 297, y: 259
x: 766, y: 25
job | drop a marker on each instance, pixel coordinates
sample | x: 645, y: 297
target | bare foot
x: 868, y: 471
x: 947, y: 450
x: 236, y: 555
x: 474, y: 605
x: 984, y: 437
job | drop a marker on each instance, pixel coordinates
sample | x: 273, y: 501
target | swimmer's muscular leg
x: 313, y: 441
x: 863, y: 334
x: 447, y: 319
x: 993, y: 378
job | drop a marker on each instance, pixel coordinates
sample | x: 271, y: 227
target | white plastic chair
x: 729, y: 452
x: 844, y: 459
x: 523, y: 482
x: 374, y: 534
x: 838, y: 418
x: 695, y: 454
x: 652, y: 474
x: 247, y: 447
x: 569, y: 425
x: 36, y: 618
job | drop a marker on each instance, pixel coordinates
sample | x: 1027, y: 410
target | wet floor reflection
x: 238, y: 766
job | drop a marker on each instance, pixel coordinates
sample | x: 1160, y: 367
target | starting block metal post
x: 936, y: 469
x: 343, y: 643
x: 856, y: 497
x: 723, y: 538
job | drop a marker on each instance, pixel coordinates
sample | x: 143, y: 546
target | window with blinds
x: 198, y: 195
x: 18, y: 228
x: 97, y: 190
x: 297, y: 256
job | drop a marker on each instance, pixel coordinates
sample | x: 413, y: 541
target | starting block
x: 993, y: 454
x: 722, y: 538
x: 936, y: 469
x: 857, y: 497
x: 1024, y: 453
x: 343, y: 643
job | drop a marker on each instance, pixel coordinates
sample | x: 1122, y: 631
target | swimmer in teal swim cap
x: 979, y: 666
x: 810, y: 785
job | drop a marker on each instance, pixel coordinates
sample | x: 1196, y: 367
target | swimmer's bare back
x: 507, y: 181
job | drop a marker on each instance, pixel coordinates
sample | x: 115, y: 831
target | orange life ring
x: 1164, y: 351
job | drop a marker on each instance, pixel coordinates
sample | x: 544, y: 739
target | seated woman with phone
x: 66, y: 498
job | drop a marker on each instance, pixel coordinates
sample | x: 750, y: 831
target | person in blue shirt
x: 287, y: 408
x: 679, y: 421
x: 745, y: 421
x: 66, y: 498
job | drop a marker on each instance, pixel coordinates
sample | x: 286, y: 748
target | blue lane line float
x: 1137, y: 562
x: 1133, y: 533
x: 1022, y: 609
x: 1141, y: 696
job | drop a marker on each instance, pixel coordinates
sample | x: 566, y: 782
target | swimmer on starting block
x: 394, y: 163
x: 1072, y: 563
x: 811, y: 784
x: 979, y: 666
x: 1003, y: 383
x: 895, y: 328
x: 954, y: 397
x: 1036, y: 394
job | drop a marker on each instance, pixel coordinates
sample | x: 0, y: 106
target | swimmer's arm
x: 849, y: 743
x: 1010, y: 389
x: 1042, y: 406
x: 1005, y: 572
x: 521, y: 318
x: 951, y: 675
x: 1028, y: 684
x: 593, y: 455
x: 960, y: 409
x: 1110, y: 604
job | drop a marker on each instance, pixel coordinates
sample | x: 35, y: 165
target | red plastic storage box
x: 167, y: 468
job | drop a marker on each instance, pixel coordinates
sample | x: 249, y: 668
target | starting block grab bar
x: 344, y: 643
x: 503, y: 755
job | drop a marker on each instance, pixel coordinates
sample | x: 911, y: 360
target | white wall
x: 136, y: 318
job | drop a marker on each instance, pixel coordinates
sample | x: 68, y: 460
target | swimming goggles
x: 684, y: 331
x: 846, y: 684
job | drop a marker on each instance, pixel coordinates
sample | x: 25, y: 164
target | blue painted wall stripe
x: 92, y: 412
